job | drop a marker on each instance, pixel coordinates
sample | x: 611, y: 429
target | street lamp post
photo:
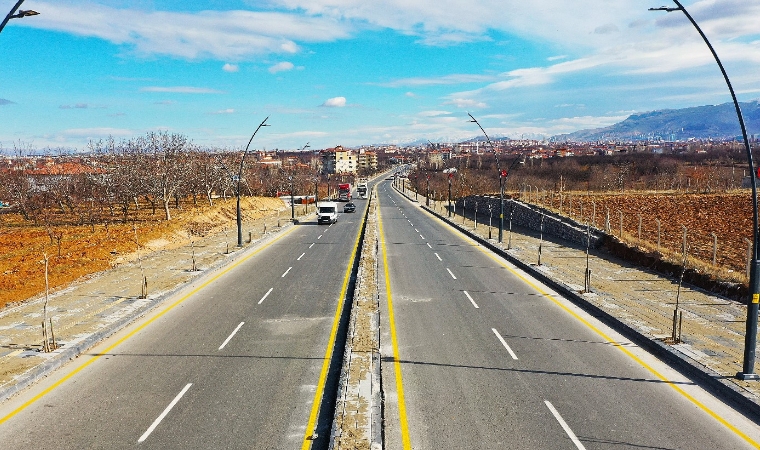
x: 503, y: 174
x: 316, y: 192
x: 17, y: 15
x: 292, y: 202
x: 750, y: 338
x: 451, y: 175
x: 239, y: 178
x: 427, y: 192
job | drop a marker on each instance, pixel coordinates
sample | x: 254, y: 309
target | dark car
x: 349, y: 207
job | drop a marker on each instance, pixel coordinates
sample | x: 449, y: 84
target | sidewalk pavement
x: 98, y: 305
x: 638, y: 302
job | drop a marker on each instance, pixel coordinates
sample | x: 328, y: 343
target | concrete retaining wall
x: 529, y: 216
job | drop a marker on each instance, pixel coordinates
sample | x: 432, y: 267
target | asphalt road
x: 478, y: 355
x: 235, y: 364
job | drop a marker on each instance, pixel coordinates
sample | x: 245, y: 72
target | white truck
x: 361, y: 187
x: 327, y: 212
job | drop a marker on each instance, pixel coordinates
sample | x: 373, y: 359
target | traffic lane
x: 525, y: 320
x: 174, y: 351
x: 161, y: 343
x: 449, y: 370
x: 587, y: 370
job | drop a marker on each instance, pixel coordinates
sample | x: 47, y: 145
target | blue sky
x: 352, y: 72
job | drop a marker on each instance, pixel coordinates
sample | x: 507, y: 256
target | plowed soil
x: 727, y: 215
x: 87, y: 249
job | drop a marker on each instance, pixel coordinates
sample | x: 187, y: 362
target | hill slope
x: 701, y: 122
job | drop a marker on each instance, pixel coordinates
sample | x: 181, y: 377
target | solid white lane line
x: 163, y: 414
x: 504, y: 343
x: 312, y: 244
x: 451, y: 273
x: 265, y: 295
x: 230, y: 336
x: 471, y: 300
x: 428, y: 244
x: 299, y: 258
x: 565, y: 427
x: 286, y: 272
x: 439, y: 258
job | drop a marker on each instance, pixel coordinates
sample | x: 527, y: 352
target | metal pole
x: 541, y: 240
x: 503, y: 174
x: 239, y: 218
x: 292, y: 203
x: 501, y: 207
x: 450, y: 195
x: 750, y: 338
x: 427, y: 192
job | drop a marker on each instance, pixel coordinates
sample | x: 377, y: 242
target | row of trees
x: 712, y: 171
x: 119, y: 180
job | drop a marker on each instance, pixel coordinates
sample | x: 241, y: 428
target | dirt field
x: 728, y: 215
x: 76, y: 251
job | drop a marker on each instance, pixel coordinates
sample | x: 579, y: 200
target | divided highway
x: 239, y: 363
x: 476, y: 355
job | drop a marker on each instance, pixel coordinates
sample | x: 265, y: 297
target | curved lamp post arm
x: 502, y: 175
x: 750, y: 339
x: 13, y: 15
x: 475, y: 121
x: 240, y: 176
x: 240, y: 171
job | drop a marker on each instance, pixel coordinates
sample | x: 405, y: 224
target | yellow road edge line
x: 619, y: 346
x: 403, y: 423
x: 140, y: 328
x: 306, y: 444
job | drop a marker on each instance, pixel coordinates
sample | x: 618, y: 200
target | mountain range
x: 700, y: 122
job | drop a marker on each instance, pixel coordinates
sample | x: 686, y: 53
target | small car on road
x: 349, y: 207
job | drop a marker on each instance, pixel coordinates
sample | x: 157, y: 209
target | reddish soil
x: 88, y: 249
x: 728, y: 215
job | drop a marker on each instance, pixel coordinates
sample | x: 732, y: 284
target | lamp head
x: 665, y: 8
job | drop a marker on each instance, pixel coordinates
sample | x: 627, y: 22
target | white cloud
x: 281, y: 67
x: 231, y: 35
x: 76, y: 106
x: 440, y: 81
x: 225, y: 111
x: 466, y: 103
x: 95, y: 133
x: 433, y: 113
x: 230, y: 67
x: 335, y: 102
x: 180, y: 90
x: 455, y: 21
x: 608, y: 28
